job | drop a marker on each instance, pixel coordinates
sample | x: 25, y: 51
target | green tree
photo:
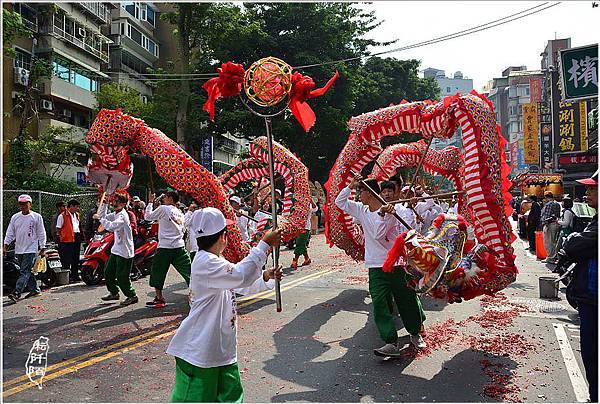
x: 37, y: 163
x: 12, y: 28
x: 115, y: 95
x: 204, y: 33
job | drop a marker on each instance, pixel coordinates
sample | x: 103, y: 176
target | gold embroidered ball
x: 268, y: 81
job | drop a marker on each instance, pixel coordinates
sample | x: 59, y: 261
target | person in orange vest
x: 68, y: 226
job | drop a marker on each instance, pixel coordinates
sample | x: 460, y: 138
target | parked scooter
x: 11, y: 269
x: 98, y: 250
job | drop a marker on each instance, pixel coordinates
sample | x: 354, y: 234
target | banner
x: 535, y: 89
x: 569, y: 124
x: 530, y: 134
x: 545, y: 119
x: 579, y: 72
x: 521, y: 146
x: 206, y: 153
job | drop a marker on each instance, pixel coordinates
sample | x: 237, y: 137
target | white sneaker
x: 388, y: 350
x: 418, y: 341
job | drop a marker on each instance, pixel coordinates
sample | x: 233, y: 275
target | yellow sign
x: 531, y: 134
x: 583, y: 125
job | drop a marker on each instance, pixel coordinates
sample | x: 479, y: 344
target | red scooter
x: 98, y: 250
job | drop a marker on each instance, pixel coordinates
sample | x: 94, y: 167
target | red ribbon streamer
x: 302, y: 90
x: 228, y: 84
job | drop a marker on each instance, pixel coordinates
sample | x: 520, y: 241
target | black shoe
x: 32, y: 294
x: 129, y: 300
x: 109, y: 297
x: 15, y: 297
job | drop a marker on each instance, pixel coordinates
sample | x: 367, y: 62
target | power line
x: 482, y: 27
x: 162, y: 77
x: 443, y: 38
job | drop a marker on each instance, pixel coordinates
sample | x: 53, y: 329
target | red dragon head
x: 111, y: 138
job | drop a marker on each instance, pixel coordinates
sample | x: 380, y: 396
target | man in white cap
x: 242, y: 221
x: 26, y: 229
x: 205, y: 346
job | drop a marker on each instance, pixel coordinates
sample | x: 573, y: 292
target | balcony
x: 77, y: 135
x: 65, y: 36
x: 28, y: 16
x: 57, y: 87
x: 98, y: 10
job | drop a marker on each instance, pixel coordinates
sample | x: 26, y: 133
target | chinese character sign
x: 530, y: 133
x: 545, y: 119
x: 514, y: 155
x: 535, y: 89
x: 206, y: 153
x: 579, y: 72
x: 569, y: 125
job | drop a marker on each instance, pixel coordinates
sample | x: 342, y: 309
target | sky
x: 483, y: 55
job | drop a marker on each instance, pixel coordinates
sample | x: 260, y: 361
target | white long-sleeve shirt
x: 119, y: 224
x: 170, y: 225
x: 207, y: 337
x: 192, y: 236
x: 27, y: 231
x: 380, y: 232
x: 407, y: 214
x: 428, y: 210
x: 242, y: 224
x: 311, y: 212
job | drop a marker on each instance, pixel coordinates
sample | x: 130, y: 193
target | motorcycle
x: 98, y: 250
x: 11, y: 270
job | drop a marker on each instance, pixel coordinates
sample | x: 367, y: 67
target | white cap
x: 236, y: 199
x: 209, y: 221
x: 24, y: 198
x: 136, y: 199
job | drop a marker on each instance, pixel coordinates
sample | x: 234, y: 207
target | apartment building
x: 69, y: 35
x: 135, y: 47
x: 449, y: 86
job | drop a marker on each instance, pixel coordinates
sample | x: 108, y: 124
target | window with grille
x: 22, y: 59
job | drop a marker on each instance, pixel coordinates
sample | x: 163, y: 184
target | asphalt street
x: 510, y: 347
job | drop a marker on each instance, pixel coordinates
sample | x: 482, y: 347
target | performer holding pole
x: 205, y: 345
x: 380, y: 233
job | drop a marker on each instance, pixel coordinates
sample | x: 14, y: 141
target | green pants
x: 215, y: 385
x: 116, y: 274
x: 163, y: 259
x: 302, y: 243
x: 192, y: 255
x: 382, y: 285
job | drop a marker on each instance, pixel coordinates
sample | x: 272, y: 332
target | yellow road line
x: 151, y: 337
x: 84, y: 364
x: 96, y: 352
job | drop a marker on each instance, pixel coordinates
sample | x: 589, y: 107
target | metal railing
x: 28, y: 16
x: 53, y: 30
x: 98, y: 9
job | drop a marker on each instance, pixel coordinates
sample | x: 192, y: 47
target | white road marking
x: 577, y: 380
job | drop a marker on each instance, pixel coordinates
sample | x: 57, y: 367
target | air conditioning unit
x: 21, y: 76
x: 66, y: 113
x: 81, y: 32
x: 47, y: 105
